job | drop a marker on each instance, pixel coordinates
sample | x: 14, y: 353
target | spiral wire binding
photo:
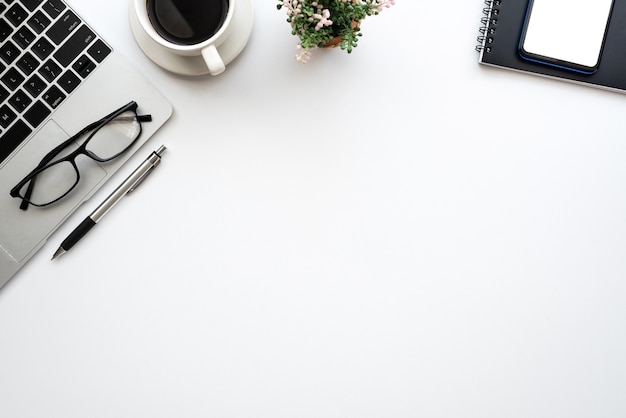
x: 488, y: 23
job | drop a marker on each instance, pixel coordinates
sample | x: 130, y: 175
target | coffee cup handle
x: 213, y: 60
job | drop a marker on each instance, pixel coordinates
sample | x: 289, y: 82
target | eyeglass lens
x: 114, y: 137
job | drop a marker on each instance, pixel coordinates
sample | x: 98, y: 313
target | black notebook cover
x: 500, y: 36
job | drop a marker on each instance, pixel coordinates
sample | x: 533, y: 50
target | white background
x: 399, y: 232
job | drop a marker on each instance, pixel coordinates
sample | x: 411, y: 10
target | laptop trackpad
x: 22, y: 231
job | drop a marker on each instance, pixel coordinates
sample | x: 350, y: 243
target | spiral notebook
x: 579, y: 41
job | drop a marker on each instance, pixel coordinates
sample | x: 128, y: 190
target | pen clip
x: 145, y: 175
x: 140, y: 180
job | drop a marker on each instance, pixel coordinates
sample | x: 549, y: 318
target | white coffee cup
x: 207, y: 48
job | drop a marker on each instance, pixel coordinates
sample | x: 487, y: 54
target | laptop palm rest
x: 21, y: 230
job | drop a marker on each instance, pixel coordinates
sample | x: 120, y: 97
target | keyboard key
x: 54, y: 7
x: 31, y: 4
x: 5, y: 30
x: 63, y: 27
x: 24, y: 37
x: 12, y: 138
x: 84, y: 66
x: 99, y: 51
x: 50, y: 70
x: 12, y: 78
x: 4, y: 94
x: 20, y: 101
x: 16, y: 14
x: 74, y: 45
x: 42, y: 48
x: 39, y: 22
x: 27, y: 63
x: 7, y: 116
x: 9, y: 52
x: 54, y: 96
x: 35, y: 85
x: 68, y: 81
x: 36, y: 114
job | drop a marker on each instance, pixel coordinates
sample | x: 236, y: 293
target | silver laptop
x: 57, y: 76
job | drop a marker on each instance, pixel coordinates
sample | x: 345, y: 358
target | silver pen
x: 130, y: 184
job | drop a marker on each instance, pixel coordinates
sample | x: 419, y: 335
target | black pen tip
x: 59, y: 253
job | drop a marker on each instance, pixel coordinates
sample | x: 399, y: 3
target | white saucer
x: 195, y: 65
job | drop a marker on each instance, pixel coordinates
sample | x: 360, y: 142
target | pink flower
x: 323, y: 19
x: 303, y: 55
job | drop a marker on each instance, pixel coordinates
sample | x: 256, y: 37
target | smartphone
x: 567, y: 34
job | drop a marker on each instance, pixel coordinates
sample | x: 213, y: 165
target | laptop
x: 57, y: 75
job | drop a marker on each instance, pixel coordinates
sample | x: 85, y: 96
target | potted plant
x: 328, y: 23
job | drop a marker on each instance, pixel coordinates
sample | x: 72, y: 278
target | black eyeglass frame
x: 47, y: 161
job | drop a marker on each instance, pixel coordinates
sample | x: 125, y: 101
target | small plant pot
x: 334, y: 43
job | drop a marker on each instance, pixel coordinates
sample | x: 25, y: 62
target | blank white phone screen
x: 567, y: 30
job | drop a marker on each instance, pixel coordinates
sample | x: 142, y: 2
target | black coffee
x: 187, y: 22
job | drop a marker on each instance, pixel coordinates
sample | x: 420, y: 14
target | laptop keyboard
x: 46, y: 51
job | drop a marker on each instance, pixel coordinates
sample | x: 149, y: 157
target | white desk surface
x: 399, y: 232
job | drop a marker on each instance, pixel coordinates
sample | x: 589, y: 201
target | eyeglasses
x: 108, y: 138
